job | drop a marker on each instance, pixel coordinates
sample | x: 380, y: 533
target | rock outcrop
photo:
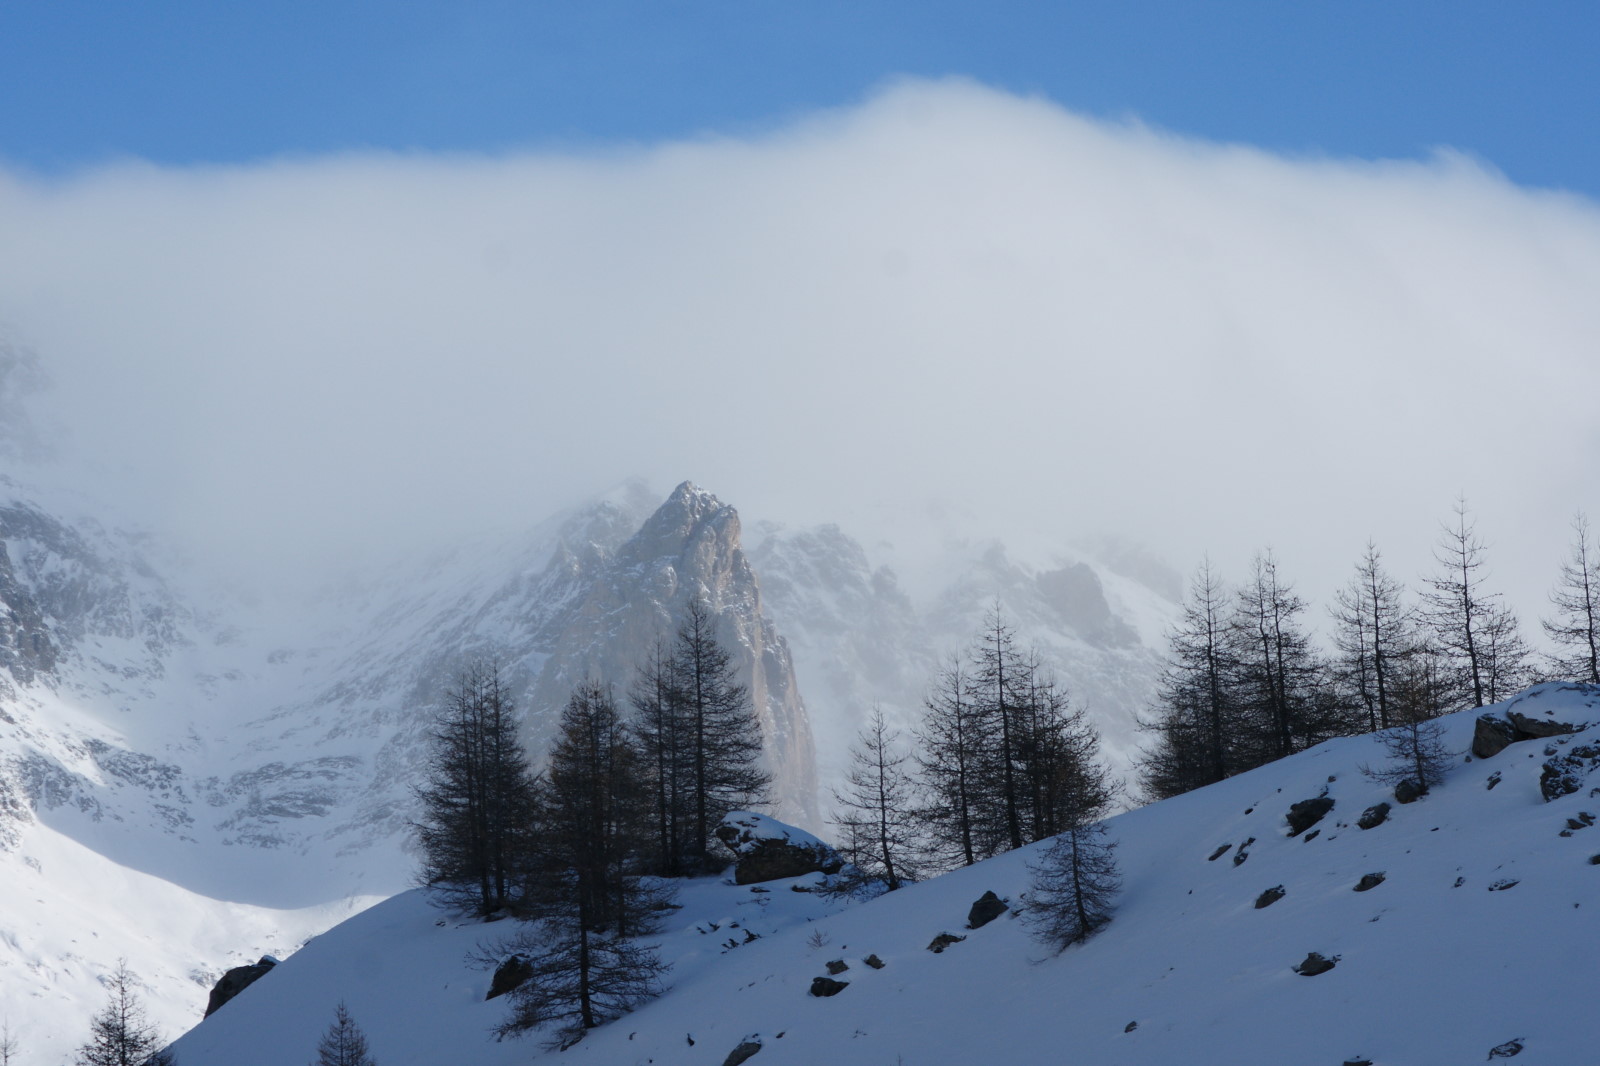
x: 766, y: 849
x: 237, y: 980
x: 987, y: 908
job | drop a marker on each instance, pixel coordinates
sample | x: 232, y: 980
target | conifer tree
x: 1374, y: 638
x: 478, y: 801
x: 1196, y: 720
x: 344, y: 1044
x: 586, y: 967
x: 722, y: 735
x: 661, y: 725
x: 1576, y: 625
x: 949, y: 760
x: 1477, y: 633
x: 876, y: 809
x: 120, y: 1035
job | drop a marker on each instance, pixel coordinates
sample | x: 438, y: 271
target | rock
x: 1242, y: 854
x: 1539, y: 727
x: 823, y: 987
x: 767, y: 849
x: 942, y: 941
x: 743, y: 1053
x: 1130, y: 1027
x: 1374, y: 815
x: 1369, y: 881
x: 1491, y: 736
x: 1509, y: 1049
x: 1307, y: 813
x: 509, y: 975
x: 1269, y: 897
x: 1566, y: 773
x: 235, y: 981
x: 1215, y: 855
x: 1357, y: 1062
x: 1314, y: 964
x: 1407, y: 791
x: 837, y: 967
x: 1503, y: 884
x: 873, y: 961
x: 988, y: 907
x: 1594, y: 860
x: 1494, y: 779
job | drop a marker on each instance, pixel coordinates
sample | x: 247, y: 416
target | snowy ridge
x: 1473, y: 940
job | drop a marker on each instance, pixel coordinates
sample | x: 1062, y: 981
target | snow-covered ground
x: 1481, y: 933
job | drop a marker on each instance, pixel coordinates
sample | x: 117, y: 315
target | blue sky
x: 184, y: 82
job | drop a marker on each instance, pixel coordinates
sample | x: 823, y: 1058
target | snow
x: 754, y: 828
x: 1428, y: 971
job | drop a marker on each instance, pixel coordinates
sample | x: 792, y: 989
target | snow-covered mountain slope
x: 873, y: 627
x: 225, y: 761
x: 1479, y: 936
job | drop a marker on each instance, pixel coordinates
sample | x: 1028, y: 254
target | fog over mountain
x: 946, y: 312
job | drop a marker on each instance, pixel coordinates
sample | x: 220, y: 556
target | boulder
x: 942, y: 941
x: 1315, y: 963
x: 823, y: 987
x: 988, y: 907
x: 1307, y: 813
x: 509, y: 975
x: 766, y: 849
x: 235, y: 981
x: 1408, y: 791
x: 1269, y: 897
x: 1539, y: 727
x: 1510, y: 1049
x: 743, y: 1053
x: 1491, y: 736
x: 1369, y: 881
x: 1374, y: 815
x: 873, y: 961
x: 837, y: 967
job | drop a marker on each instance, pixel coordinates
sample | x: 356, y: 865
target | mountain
x: 248, y: 763
x: 1460, y: 928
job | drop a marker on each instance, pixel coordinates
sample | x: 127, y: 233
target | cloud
x: 945, y: 293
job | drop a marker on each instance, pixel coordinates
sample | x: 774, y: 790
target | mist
x: 947, y: 296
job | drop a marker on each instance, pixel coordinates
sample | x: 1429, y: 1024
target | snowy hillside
x: 1478, y: 936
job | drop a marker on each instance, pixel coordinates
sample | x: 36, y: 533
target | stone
x: 743, y: 1053
x: 1568, y: 772
x: 873, y: 961
x: 1539, y: 727
x: 1307, y: 813
x: 1315, y: 963
x: 1492, y: 735
x: 1407, y: 791
x: 942, y: 941
x: 837, y: 967
x: 235, y: 981
x: 1373, y: 816
x: 1510, y: 1049
x: 1269, y: 897
x: 822, y: 987
x: 1369, y: 881
x: 1219, y: 853
x: 1130, y: 1027
x: 509, y: 975
x: 766, y: 849
x: 988, y: 907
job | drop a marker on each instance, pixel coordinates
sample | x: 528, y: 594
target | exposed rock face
x: 509, y: 975
x: 1307, y: 813
x: 767, y: 849
x: 1568, y: 771
x: 1491, y: 735
x: 1538, y: 728
x: 237, y: 980
x: 827, y: 986
x: 743, y: 1053
x: 1373, y: 816
x: 987, y: 908
x: 1315, y: 963
x: 625, y: 602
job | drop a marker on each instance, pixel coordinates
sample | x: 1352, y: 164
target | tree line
x: 580, y: 851
x: 1245, y: 684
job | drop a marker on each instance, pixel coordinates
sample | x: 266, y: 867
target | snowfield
x: 1480, y: 936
